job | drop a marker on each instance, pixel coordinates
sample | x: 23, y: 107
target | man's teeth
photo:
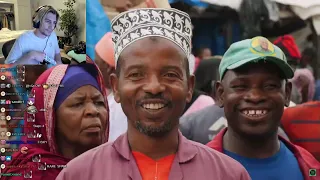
x: 254, y: 112
x: 153, y: 106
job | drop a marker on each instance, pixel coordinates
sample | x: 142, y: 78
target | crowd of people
x: 148, y: 109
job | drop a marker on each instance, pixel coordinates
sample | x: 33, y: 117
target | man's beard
x: 155, y: 131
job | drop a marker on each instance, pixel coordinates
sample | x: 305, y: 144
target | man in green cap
x: 253, y: 89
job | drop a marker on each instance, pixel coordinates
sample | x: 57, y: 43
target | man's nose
x: 255, y: 95
x: 154, y: 85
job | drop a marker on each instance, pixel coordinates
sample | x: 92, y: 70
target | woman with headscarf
x: 72, y: 118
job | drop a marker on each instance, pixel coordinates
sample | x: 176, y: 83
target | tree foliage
x: 69, y: 20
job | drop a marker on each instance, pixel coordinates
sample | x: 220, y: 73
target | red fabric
x: 151, y: 169
x: 197, y: 64
x: 46, y: 152
x: 305, y: 159
x: 289, y: 43
x: 301, y: 124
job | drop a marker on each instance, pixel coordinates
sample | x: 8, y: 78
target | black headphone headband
x: 41, y: 7
x: 36, y: 23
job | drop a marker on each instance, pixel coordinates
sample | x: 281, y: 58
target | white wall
x: 81, y: 11
x: 16, y: 13
x: 25, y: 15
x: 80, y: 8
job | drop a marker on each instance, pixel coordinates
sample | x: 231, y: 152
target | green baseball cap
x: 254, y: 50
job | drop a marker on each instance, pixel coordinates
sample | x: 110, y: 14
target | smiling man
x: 153, y: 84
x: 38, y: 46
x: 253, y: 90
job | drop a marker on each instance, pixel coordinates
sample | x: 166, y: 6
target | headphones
x: 36, y: 17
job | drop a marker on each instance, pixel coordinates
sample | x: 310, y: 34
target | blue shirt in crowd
x: 280, y: 166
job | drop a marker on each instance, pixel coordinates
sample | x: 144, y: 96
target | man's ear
x: 288, y: 90
x: 191, y: 84
x: 219, y: 93
x: 114, y: 85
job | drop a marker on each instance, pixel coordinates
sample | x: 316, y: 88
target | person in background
x: 307, y: 58
x: 75, y: 120
x: 105, y: 61
x: 301, y: 122
x: 104, y: 53
x: 97, y: 23
x: 302, y: 127
x: 303, y: 83
x: 38, y: 46
x: 204, y: 53
x: 253, y: 90
x: 202, y: 91
x: 206, y: 73
x: 153, y: 83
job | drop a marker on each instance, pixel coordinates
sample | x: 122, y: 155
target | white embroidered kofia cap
x: 133, y: 25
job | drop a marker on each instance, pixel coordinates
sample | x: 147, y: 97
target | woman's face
x: 82, y: 118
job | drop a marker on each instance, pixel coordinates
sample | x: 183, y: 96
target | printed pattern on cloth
x: 133, y: 25
x: 54, y: 80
